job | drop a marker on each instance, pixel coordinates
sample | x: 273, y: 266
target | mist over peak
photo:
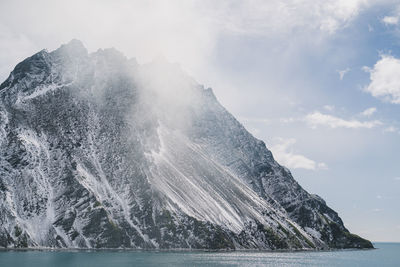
x: 74, y: 46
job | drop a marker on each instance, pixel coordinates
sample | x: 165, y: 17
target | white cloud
x: 342, y: 73
x: 385, y: 79
x: 319, y: 119
x: 370, y: 28
x: 285, y: 156
x: 288, y: 120
x: 184, y: 31
x: 397, y: 178
x: 390, y: 129
x: 393, y: 18
x: 390, y: 20
x: 322, y: 166
x: 368, y: 112
x: 329, y: 107
x: 259, y: 120
x: 259, y: 16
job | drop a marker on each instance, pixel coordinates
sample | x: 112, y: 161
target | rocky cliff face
x: 97, y: 151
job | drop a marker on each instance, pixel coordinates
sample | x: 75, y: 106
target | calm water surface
x: 386, y: 254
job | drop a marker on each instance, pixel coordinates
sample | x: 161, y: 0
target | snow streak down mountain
x: 97, y: 151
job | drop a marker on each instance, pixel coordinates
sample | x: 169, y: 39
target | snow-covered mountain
x: 97, y: 151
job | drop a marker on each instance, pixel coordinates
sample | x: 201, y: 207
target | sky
x: 317, y: 80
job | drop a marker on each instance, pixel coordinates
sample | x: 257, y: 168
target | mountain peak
x: 75, y: 44
x: 73, y: 48
x: 30, y: 66
x: 106, y: 155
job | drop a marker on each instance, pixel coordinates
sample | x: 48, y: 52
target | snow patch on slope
x: 212, y: 195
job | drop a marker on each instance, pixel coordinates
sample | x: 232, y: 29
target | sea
x: 385, y: 254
